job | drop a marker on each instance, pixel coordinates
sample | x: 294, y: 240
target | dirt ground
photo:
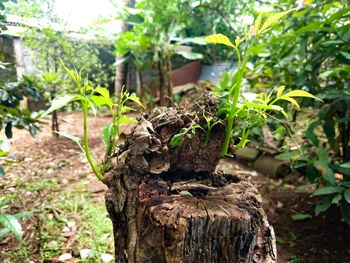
x: 57, y: 161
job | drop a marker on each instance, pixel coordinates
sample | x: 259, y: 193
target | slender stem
x: 86, y: 144
x: 238, y: 56
x: 232, y: 114
x: 207, y: 136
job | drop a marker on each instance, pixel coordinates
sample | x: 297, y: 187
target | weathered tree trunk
x: 54, y: 124
x: 168, y: 205
x: 165, y: 85
x: 54, y: 118
x: 167, y: 62
x: 161, y: 84
x: 122, y: 69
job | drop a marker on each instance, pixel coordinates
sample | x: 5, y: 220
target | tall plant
x: 158, y: 22
x: 311, y: 51
x: 91, y: 97
x: 48, y: 47
x: 230, y: 88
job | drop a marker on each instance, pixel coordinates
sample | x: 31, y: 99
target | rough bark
x: 54, y: 124
x: 168, y: 205
x: 161, y: 84
x: 165, y: 85
x: 54, y: 118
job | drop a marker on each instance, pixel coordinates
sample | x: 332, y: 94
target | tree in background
x: 228, y: 17
x: 12, y: 91
x: 155, y: 26
x: 49, y: 46
x: 11, y: 115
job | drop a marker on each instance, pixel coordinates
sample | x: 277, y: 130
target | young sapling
x: 92, y: 98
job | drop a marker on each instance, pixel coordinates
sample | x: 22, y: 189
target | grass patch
x: 93, y: 228
x: 58, y: 210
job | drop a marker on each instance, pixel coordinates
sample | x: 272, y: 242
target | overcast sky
x: 82, y: 12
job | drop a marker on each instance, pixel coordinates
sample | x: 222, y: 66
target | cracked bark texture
x: 168, y: 205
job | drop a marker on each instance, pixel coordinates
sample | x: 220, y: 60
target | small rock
x: 255, y: 174
x: 49, y: 172
x: 65, y: 257
x: 66, y: 229
x: 71, y: 224
x: 64, y: 181
x: 106, y: 258
x: 279, y: 204
x: 85, y: 253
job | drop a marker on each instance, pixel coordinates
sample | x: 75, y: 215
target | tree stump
x: 168, y: 205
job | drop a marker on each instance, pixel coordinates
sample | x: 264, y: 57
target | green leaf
x: 101, y: 101
x: 126, y: 120
x: 219, y: 39
x: 22, y: 214
x: 189, y: 55
x: 299, y: 93
x: 5, y: 200
x: 285, y: 114
x: 71, y: 137
x: 12, y: 224
x: 103, y: 91
x: 287, y: 156
x: 109, y: 131
x: 345, y: 165
x: 339, y: 14
x: 176, y: 140
x: 273, y: 19
x: 323, y: 205
x: 291, y: 100
x: 71, y: 74
x: 135, y: 99
x: 262, y: 107
x: 309, y: 133
x: 300, y: 217
x: 328, y: 190
x: 345, y: 54
x: 329, y: 130
x: 337, y: 199
x: 312, y: 26
x: 279, y: 133
x: 257, y: 23
x: 62, y: 101
x: 280, y: 91
x: 322, y: 155
x: 347, y: 195
x: 326, y: 172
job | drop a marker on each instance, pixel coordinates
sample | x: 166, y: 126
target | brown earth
x: 320, y: 239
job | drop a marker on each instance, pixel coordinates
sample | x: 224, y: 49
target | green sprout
x: 91, y: 98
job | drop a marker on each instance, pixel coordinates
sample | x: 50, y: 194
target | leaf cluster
x: 230, y: 88
x: 310, y: 51
x: 93, y: 98
x: 11, y: 222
